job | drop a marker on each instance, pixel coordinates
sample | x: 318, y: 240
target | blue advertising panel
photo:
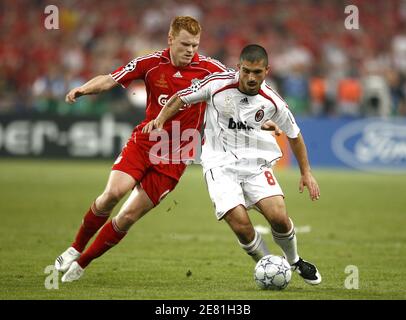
x: 372, y: 144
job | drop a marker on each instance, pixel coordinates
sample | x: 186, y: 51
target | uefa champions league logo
x: 130, y: 66
x: 196, y: 84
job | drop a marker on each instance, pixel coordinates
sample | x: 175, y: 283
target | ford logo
x: 373, y: 145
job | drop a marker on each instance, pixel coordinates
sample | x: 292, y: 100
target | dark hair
x: 253, y: 53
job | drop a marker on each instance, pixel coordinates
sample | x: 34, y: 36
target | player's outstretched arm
x: 96, y: 85
x: 299, y: 150
x: 171, y: 108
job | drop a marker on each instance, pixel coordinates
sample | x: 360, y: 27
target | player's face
x: 252, y: 74
x: 183, y: 47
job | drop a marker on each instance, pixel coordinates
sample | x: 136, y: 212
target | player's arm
x: 269, y: 125
x: 299, y: 150
x: 96, y: 85
x: 171, y: 108
x: 197, y: 92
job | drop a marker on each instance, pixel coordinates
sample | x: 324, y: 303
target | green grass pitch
x: 179, y: 250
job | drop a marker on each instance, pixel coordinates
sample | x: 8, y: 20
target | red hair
x: 187, y: 23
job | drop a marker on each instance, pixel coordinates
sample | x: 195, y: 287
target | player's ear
x: 267, y: 69
x: 170, y: 39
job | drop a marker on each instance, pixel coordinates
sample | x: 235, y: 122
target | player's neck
x: 179, y: 65
x: 175, y: 62
x: 247, y: 91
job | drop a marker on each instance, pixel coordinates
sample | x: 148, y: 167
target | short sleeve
x: 285, y: 120
x: 133, y: 70
x: 199, y: 91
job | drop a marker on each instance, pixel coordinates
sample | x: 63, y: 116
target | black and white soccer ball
x: 272, y: 273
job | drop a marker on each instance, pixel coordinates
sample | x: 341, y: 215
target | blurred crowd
x: 319, y: 66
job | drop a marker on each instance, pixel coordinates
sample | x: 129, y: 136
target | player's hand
x: 153, y: 124
x: 269, y: 125
x: 73, y: 94
x: 310, y: 182
x: 148, y: 127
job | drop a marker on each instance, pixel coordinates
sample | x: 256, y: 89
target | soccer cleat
x: 63, y: 262
x: 74, y: 272
x: 307, y: 271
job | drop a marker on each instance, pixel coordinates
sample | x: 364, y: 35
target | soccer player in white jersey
x: 238, y: 153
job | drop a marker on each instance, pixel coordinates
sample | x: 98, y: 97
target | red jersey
x: 162, y: 80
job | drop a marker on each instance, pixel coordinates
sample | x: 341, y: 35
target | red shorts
x: 156, y: 179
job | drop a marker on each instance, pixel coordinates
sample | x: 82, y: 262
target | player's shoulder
x: 218, y: 79
x: 212, y: 82
x: 213, y: 65
x: 271, y: 94
x: 148, y: 61
x: 152, y: 58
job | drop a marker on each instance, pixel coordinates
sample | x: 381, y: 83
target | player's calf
x: 257, y: 248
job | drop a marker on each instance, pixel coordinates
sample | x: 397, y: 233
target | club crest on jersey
x: 259, y: 115
x: 130, y: 66
x: 163, y: 99
x: 162, y: 82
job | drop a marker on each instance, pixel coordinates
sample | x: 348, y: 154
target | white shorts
x: 244, y: 182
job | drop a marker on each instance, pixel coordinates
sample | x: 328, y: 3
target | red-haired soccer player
x: 164, y: 73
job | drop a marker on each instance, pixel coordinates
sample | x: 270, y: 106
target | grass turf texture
x: 179, y: 250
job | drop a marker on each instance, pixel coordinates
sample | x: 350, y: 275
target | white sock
x: 288, y: 243
x: 256, y: 248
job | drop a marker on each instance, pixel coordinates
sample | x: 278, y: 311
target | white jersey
x: 233, y: 120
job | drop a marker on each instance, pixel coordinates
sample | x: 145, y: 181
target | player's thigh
x: 263, y: 190
x: 135, y: 207
x: 152, y: 188
x: 224, y: 189
x: 274, y: 210
x: 118, y: 184
x: 238, y: 220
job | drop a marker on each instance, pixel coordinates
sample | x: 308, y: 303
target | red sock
x: 107, y: 238
x: 92, y: 222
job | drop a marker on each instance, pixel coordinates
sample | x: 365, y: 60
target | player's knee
x: 278, y: 208
x: 112, y: 196
x: 281, y: 223
x: 125, y: 220
x: 244, y: 231
x: 278, y: 217
x: 129, y: 215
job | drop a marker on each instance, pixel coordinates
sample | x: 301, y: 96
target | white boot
x: 63, y: 262
x: 74, y: 272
